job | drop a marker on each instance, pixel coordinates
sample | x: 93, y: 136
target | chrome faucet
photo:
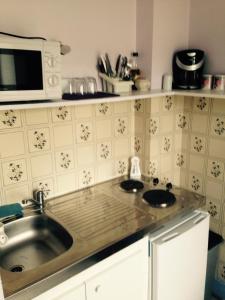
x: 38, y: 199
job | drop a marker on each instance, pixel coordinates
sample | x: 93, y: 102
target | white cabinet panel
x: 125, y: 280
x: 64, y: 291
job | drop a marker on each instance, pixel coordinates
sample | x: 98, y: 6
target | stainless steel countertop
x: 101, y: 219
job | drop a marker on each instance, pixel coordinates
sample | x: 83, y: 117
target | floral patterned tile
x: 62, y: 113
x: 64, y: 160
x: 86, y: 177
x: 180, y: 160
x: 218, y: 126
x: 168, y: 103
x: 104, y: 150
x: 182, y: 121
x: 14, y: 171
x: 138, y: 106
x: 103, y: 109
x: 213, y: 208
x: 84, y: 132
x: 39, y: 139
x: 164, y: 179
x: 198, y: 144
x: 201, y: 104
x: 121, y: 166
x: 166, y: 144
x: 195, y: 183
x: 10, y: 119
x: 46, y: 185
x: 121, y: 126
x: 152, y: 168
x: 137, y: 143
x: 215, y: 169
x: 152, y: 126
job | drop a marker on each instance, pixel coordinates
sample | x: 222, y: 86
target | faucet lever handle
x: 39, y: 196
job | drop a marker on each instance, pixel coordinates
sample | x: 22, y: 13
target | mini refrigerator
x: 178, y: 258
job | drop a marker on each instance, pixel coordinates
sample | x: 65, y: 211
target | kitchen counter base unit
x: 102, y: 220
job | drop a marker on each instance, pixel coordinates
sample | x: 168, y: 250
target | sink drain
x: 17, y: 268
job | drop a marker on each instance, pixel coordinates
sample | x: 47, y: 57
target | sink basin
x: 33, y: 241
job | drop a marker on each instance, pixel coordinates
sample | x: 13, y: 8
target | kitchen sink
x: 33, y: 241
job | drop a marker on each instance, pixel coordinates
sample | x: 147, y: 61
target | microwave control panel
x: 52, y: 66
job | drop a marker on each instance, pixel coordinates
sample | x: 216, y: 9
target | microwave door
x: 7, y: 71
x: 21, y: 70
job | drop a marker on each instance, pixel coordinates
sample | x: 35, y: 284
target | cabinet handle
x: 170, y: 237
x: 97, y: 288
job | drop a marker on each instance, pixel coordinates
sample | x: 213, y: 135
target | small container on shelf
x: 115, y: 85
x: 143, y: 85
x: 207, y: 82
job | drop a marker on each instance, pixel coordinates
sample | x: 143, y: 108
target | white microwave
x: 29, y: 69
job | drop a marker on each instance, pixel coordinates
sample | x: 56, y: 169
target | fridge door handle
x: 170, y: 237
x: 199, y: 219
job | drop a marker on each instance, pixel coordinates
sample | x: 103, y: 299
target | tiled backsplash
x: 63, y: 149
x: 178, y: 139
x: 183, y: 140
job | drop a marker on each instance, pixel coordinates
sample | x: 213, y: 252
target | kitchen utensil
x: 100, y: 66
x: 102, y: 58
x: 108, y: 66
x: 118, y: 62
x: 123, y: 67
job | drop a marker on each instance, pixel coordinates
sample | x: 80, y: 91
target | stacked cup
x: 216, y: 82
x: 80, y: 85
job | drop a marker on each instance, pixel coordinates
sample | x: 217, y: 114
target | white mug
x: 167, y: 82
x: 218, y: 83
x: 206, y: 82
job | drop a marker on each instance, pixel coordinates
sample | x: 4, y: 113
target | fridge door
x: 179, y: 261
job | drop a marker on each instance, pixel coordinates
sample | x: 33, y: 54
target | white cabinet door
x: 121, y: 276
x: 125, y: 280
x: 64, y: 291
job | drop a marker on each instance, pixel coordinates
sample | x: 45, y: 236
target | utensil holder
x: 115, y: 85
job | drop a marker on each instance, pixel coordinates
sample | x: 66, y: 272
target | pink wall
x: 207, y: 32
x: 144, y: 35
x: 88, y: 26
x: 170, y: 33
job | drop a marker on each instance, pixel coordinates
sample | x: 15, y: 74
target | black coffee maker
x: 187, y: 69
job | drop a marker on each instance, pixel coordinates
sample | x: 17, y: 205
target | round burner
x: 132, y: 186
x: 159, y: 198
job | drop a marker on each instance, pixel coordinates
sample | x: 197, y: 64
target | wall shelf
x: 123, y: 97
